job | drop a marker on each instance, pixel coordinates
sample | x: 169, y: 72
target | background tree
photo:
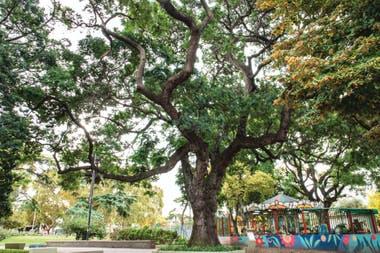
x: 40, y: 204
x: 147, y: 210
x: 325, y: 158
x: 23, y: 33
x: 206, y: 117
x: 244, y: 188
x: 374, y: 202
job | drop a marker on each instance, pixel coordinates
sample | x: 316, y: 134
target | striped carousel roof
x: 282, y: 198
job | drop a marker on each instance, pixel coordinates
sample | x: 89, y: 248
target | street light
x: 90, y: 197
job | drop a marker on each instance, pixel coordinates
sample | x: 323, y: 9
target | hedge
x: 13, y: 251
x: 159, y: 236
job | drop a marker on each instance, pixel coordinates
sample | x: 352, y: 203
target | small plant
x: 218, y: 248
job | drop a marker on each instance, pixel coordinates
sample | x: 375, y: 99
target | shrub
x: 75, y: 222
x: 10, y: 224
x: 198, y: 248
x: 159, y: 236
x: 4, y: 234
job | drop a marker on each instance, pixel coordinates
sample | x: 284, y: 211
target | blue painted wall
x: 348, y: 243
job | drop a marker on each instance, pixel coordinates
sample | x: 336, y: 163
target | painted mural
x: 347, y: 243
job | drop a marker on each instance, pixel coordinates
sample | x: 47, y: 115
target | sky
x: 171, y: 191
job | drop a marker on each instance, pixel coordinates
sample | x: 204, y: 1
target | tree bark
x: 204, y: 226
x: 202, y: 187
x: 234, y: 220
x: 325, y: 218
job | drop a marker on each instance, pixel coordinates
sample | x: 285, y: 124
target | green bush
x: 13, y: 251
x: 198, y: 248
x: 159, y: 236
x: 75, y: 222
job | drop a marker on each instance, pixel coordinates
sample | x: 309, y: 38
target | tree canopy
x: 193, y: 83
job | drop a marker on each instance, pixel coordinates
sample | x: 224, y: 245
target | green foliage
x: 9, y: 223
x: 199, y: 248
x: 243, y: 187
x: 119, y: 201
x: 160, y: 236
x: 16, y: 147
x: 21, y: 35
x: 330, y: 50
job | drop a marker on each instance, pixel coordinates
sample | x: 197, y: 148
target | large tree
x: 182, y: 72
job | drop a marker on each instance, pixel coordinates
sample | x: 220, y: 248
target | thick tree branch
x: 174, y: 13
x: 247, y: 142
x: 169, y: 165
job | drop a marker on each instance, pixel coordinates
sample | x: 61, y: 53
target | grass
x: 32, y: 239
x: 198, y: 248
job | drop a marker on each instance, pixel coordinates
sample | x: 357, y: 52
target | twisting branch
x: 186, y: 71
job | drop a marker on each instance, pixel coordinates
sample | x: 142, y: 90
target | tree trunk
x: 325, y: 219
x: 234, y: 221
x: 204, y: 228
x: 182, y: 229
x: 202, y: 187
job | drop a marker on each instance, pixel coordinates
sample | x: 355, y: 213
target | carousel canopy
x: 281, y: 201
x: 280, y: 198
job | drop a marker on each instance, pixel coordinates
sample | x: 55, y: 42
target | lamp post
x: 90, y: 198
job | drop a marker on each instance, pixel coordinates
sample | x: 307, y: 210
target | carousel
x: 286, y: 222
